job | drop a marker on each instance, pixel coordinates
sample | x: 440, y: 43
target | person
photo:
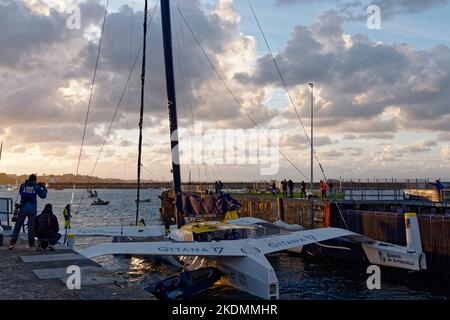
x: 141, y: 223
x: 323, y: 189
x: 67, y: 217
x: 216, y: 187
x: 167, y: 223
x: 273, y: 188
x: 29, y: 191
x: 47, y: 229
x: 284, y: 187
x: 439, y: 187
x: 220, y: 183
x: 331, y: 188
x: 291, y: 186
x: 303, y: 190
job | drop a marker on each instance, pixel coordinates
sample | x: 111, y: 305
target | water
x: 299, y: 278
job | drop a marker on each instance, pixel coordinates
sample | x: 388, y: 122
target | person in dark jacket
x: 47, y: 229
x: 331, y: 189
x: 303, y: 190
x: 29, y: 191
x: 291, y: 186
x: 284, y: 186
x: 273, y: 188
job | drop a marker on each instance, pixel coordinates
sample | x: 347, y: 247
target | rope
x: 116, y: 111
x: 286, y: 87
x: 185, y: 82
x: 90, y: 101
x: 219, y: 75
x: 149, y: 172
x: 340, y: 213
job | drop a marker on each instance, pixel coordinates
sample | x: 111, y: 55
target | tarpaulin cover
x: 207, y: 205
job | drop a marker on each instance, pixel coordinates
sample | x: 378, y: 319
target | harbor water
x: 300, y: 278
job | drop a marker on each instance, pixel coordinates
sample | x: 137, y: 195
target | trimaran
x: 200, y: 244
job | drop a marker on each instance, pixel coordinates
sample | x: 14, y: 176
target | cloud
x: 370, y: 136
x: 364, y: 90
x: 356, y: 9
x: 445, y: 152
x: 422, y: 146
x: 354, y: 152
x: 296, y: 140
x: 444, y: 136
x: 46, y: 71
x: 331, y: 154
x: 361, y: 86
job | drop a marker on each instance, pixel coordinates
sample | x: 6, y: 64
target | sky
x: 382, y: 100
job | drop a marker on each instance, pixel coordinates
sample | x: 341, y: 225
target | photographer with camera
x: 29, y: 191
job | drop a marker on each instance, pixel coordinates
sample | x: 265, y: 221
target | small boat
x: 187, y: 284
x: 100, y: 202
x: 144, y: 200
x: 11, y: 188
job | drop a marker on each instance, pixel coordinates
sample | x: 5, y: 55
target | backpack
x: 44, y: 225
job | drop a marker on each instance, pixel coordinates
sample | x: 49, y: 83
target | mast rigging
x: 141, y: 115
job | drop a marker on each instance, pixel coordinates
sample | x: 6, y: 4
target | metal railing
x: 6, y: 209
x: 374, y: 195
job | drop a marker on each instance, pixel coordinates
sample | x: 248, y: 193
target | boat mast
x: 141, y: 117
x: 171, y: 96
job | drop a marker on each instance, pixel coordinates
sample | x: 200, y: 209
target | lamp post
x: 311, y: 85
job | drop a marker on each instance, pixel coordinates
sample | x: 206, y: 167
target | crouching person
x: 47, y: 229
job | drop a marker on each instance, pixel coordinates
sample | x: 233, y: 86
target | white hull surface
x: 242, y: 262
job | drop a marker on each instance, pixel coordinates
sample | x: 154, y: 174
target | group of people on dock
x: 45, y: 226
x: 326, y: 189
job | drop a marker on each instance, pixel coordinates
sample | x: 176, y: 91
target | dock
x: 26, y: 274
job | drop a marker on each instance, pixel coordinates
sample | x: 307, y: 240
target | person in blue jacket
x: 29, y: 191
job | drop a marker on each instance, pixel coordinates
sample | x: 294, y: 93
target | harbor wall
x: 252, y: 187
x: 293, y: 211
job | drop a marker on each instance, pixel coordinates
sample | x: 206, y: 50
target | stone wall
x: 294, y: 211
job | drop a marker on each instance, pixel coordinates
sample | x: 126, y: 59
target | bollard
x: 280, y: 207
x: 71, y: 241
